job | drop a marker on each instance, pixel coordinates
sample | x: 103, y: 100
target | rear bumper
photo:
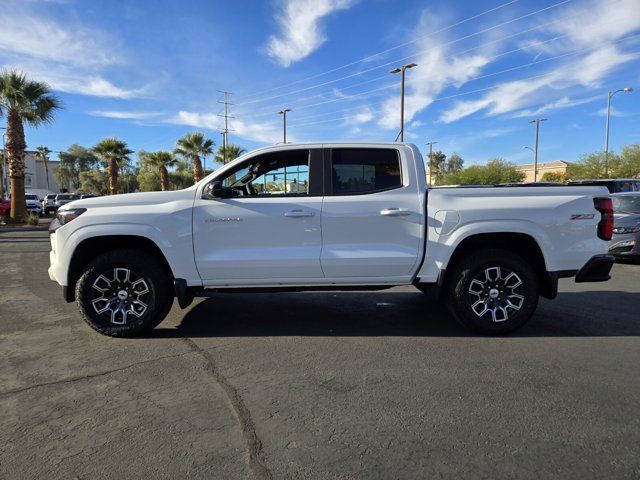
x: 596, y: 269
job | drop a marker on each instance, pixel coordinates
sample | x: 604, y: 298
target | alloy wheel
x: 496, y: 294
x: 120, y: 294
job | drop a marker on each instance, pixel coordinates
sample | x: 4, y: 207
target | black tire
x: 100, y: 281
x: 467, y: 296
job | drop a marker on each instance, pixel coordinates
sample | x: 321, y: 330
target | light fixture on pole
x: 606, y: 133
x: 283, y: 112
x: 401, y: 70
x: 535, y: 150
x: 431, y: 144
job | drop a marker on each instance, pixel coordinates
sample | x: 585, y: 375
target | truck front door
x: 265, y: 226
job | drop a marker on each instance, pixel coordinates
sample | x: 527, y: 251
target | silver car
x: 33, y: 203
x: 625, y: 242
x: 64, y: 198
x: 48, y: 203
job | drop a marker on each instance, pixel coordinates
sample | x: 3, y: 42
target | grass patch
x: 32, y: 219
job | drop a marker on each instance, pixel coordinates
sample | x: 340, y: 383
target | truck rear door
x: 372, y: 214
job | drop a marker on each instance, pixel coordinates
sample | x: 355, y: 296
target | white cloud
x: 125, y: 115
x: 595, y: 27
x: 301, y: 31
x: 69, y: 56
x: 437, y: 69
x: 363, y: 116
x: 564, y: 102
x: 425, y: 83
x: 614, y: 112
x: 260, y: 132
x: 39, y: 38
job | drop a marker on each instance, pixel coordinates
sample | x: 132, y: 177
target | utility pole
x: 4, y: 164
x: 431, y: 144
x: 402, y: 70
x: 225, y: 130
x: 283, y: 112
x: 606, y: 132
x: 535, y: 150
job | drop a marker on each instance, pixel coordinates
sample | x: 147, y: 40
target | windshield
x: 67, y: 197
x: 31, y: 197
x: 626, y: 204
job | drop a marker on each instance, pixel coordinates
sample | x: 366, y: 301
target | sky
x: 150, y: 71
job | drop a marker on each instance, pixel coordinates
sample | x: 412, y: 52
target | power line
x: 268, y: 111
x: 511, y: 69
x: 369, y: 57
x: 329, y: 82
x: 225, y: 130
x: 388, y: 86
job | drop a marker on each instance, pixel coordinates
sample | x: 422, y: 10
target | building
x: 557, y: 166
x: 35, y: 175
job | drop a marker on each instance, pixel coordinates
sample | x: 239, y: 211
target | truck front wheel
x: 123, y: 293
x: 492, y: 291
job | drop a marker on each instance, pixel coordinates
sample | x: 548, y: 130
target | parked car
x: 64, y: 198
x: 625, y: 242
x: 33, y: 203
x: 614, y: 185
x: 363, y: 220
x: 48, y: 203
x: 5, y: 207
x: 87, y: 195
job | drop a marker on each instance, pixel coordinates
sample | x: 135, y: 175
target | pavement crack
x: 88, y: 376
x: 254, y: 445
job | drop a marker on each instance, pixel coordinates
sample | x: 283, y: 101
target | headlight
x: 65, y: 216
x: 626, y: 229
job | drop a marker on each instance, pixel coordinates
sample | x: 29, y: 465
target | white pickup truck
x: 328, y: 216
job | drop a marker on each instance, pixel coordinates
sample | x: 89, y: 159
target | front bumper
x: 596, y: 269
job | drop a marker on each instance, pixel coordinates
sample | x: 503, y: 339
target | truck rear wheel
x: 492, y: 291
x: 123, y: 293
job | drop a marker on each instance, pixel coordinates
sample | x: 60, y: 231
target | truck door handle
x: 298, y: 214
x: 394, y: 211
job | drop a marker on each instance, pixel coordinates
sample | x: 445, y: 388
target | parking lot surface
x: 316, y: 385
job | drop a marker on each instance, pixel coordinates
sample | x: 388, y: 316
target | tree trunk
x: 113, y: 176
x: 15, y: 158
x: 46, y: 170
x: 164, y: 179
x: 198, y: 173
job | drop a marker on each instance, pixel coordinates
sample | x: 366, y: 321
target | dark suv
x: 615, y: 185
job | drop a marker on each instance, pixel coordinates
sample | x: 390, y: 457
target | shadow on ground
x: 599, y: 313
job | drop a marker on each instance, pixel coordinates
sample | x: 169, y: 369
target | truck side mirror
x: 215, y: 190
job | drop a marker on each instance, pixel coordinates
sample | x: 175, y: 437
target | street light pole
x: 431, y: 144
x: 535, y: 151
x: 283, y: 112
x: 606, y: 132
x: 402, y: 70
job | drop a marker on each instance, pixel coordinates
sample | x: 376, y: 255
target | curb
x: 23, y: 229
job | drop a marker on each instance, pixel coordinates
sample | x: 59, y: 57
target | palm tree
x: 194, y: 146
x: 42, y: 153
x: 226, y: 154
x: 162, y: 160
x: 22, y: 100
x: 114, y: 154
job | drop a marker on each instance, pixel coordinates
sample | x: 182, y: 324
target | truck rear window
x: 364, y: 170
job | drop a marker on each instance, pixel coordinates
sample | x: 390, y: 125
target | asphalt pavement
x: 358, y: 385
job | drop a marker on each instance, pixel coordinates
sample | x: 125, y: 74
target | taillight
x: 605, y: 225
